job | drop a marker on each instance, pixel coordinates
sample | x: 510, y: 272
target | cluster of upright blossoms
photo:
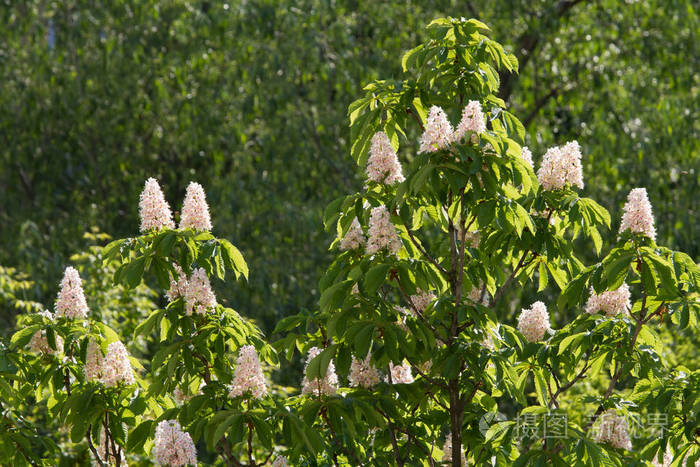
x: 71, y: 299
x: 561, y: 166
x: 116, y: 367
x: 154, y: 210
x: 363, y: 373
x: 447, y: 451
x: 248, y: 375
x: 534, y: 323
x: 195, y: 210
x: 637, y: 216
x: 383, y: 165
x: 354, y: 238
x: 422, y: 300
x: 172, y: 446
x: 326, y: 386
x: 472, y: 121
x: 93, y: 361
x: 527, y: 156
x: 110, y: 369
x: 611, y: 302
x: 177, y: 287
x: 614, y: 430
x: 280, y: 461
x: 400, y: 374
x: 199, y: 296
x: 439, y: 133
x: 382, y: 233
x: 40, y: 343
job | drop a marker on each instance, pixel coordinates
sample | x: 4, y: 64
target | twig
x: 423, y: 251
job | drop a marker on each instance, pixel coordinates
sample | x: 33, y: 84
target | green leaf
x: 138, y: 436
x: 318, y: 366
x: 333, y: 296
x: 375, y: 278
x: 233, y: 259
x: 568, y: 340
x: 542, y: 277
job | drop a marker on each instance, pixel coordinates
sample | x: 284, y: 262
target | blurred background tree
x: 249, y: 98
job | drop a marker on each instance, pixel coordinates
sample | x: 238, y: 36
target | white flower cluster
x: 614, y: 430
x: 363, y: 373
x: 382, y: 233
x: 354, y: 238
x: 383, y: 165
x: 401, y: 374
x: 534, y: 323
x: 561, y: 166
x: 637, y: 216
x: 248, y: 375
x: 40, y: 343
x: 326, y: 386
x: 611, y: 302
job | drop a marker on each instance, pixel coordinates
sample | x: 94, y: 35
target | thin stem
x: 423, y: 251
x: 337, y: 441
x: 521, y: 264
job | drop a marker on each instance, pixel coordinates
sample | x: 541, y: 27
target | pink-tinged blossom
x: 153, y: 208
x: 354, y: 238
x: 472, y: 121
x: 472, y: 238
x: 326, y: 386
x: 611, y: 302
x: 438, y: 132
x: 180, y: 397
x: 93, y: 361
x: 383, y: 165
x: 613, y: 429
x: 116, y: 367
x: 534, y: 323
x: 71, y: 298
x: 401, y: 374
x: 199, y: 296
x: 195, y: 210
x: 248, y: 375
x: 426, y: 366
x: 561, y: 165
x: 280, y: 461
x: 177, y: 287
x: 637, y: 216
x: 422, y: 300
x: 527, y: 156
x: 172, y: 446
x: 363, y: 373
x: 475, y: 294
x: 40, y: 343
x: 669, y: 458
x: 447, y: 451
x: 382, y: 233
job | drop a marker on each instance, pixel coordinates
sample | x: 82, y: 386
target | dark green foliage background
x: 250, y: 99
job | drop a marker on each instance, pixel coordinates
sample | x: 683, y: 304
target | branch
x: 422, y: 250
x: 539, y: 103
x: 499, y: 293
x: 92, y: 447
x: 528, y: 42
x: 561, y: 389
x: 415, y: 117
x: 399, y: 461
